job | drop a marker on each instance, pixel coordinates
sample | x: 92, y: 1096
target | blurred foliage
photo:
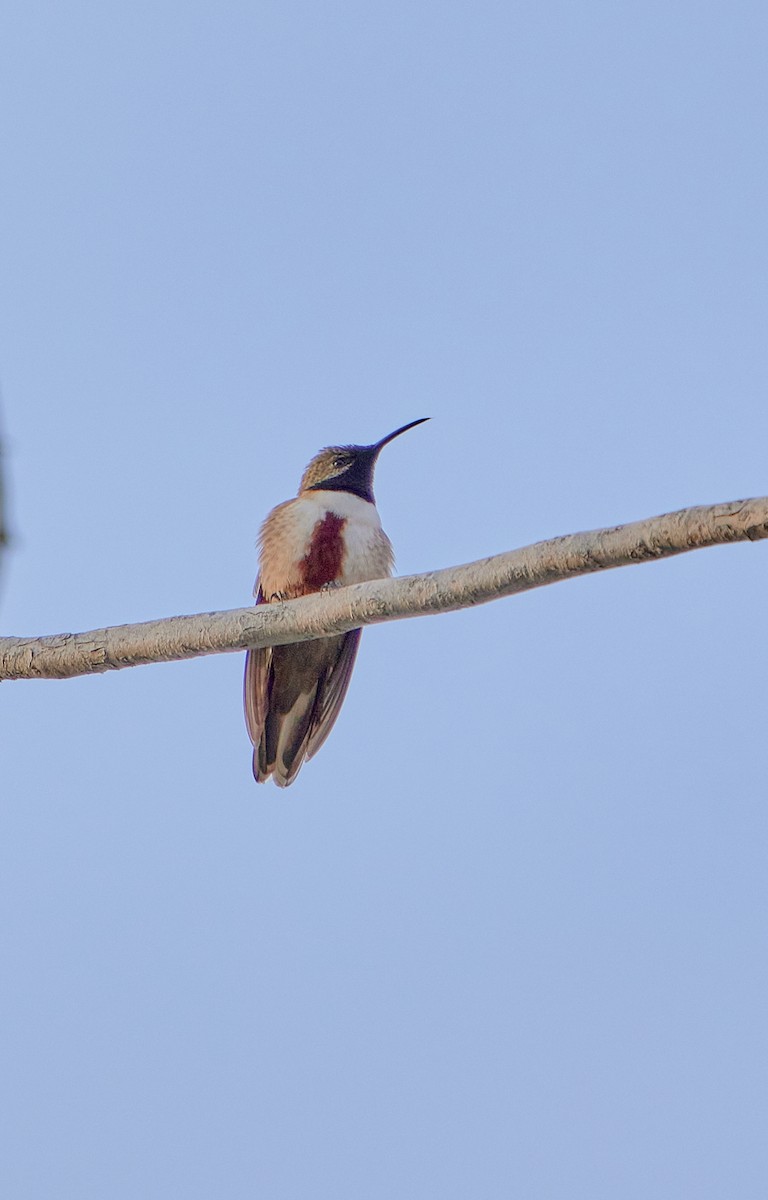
x: 4, y: 536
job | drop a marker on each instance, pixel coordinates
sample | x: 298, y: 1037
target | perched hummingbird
x: 329, y: 535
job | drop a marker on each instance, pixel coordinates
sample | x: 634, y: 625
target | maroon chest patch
x: 322, y: 562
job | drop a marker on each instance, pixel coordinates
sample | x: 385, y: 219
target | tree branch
x: 65, y: 655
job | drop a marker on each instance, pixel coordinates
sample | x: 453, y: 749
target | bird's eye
x: 339, y: 461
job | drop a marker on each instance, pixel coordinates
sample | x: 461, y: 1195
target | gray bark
x: 64, y: 655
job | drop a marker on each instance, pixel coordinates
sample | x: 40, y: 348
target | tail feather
x: 293, y: 695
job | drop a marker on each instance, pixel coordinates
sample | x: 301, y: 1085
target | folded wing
x: 292, y: 697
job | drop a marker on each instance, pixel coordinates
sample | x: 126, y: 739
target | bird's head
x: 348, y: 468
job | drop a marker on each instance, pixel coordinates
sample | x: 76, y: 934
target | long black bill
x: 377, y: 446
x: 357, y: 476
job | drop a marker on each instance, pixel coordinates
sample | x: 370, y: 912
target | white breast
x: 368, y: 549
x: 286, y: 537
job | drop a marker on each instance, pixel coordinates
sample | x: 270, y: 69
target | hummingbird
x: 329, y: 535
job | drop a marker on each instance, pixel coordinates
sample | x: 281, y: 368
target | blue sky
x: 506, y: 935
